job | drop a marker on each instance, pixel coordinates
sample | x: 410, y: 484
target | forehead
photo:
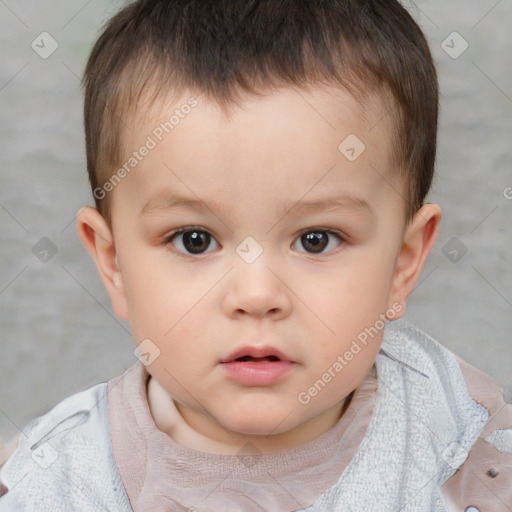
x: 282, y: 143
x: 318, y: 108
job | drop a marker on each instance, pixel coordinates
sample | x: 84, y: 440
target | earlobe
x: 99, y: 242
x: 419, y: 238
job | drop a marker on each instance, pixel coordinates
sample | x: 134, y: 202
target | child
x: 259, y: 170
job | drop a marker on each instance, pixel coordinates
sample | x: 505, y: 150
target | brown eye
x: 196, y: 242
x: 192, y: 241
x: 315, y: 242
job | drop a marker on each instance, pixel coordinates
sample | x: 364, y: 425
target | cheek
x: 359, y: 289
x: 173, y: 316
x: 179, y: 355
x: 352, y: 306
x: 157, y: 296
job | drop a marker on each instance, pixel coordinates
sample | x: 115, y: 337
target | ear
x: 99, y: 241
x: 419, y: 238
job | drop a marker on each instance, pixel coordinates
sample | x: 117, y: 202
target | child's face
x: 255, y: 184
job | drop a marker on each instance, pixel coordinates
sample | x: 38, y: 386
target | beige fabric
x: 160, y: 474
x: 472, y: 485
x: 151, y: 462
x: 6, y: 451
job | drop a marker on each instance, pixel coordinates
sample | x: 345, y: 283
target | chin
x: 259, y: 424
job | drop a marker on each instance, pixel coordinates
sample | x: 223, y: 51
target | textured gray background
x: 59, y: 333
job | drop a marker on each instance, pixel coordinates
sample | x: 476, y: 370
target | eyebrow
x: 335, y: 203
x: 163, y: 201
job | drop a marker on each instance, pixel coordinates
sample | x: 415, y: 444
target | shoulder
x: 484, y: 481
x: 64, y: 456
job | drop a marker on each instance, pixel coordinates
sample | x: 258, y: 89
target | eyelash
x: 169, y: 239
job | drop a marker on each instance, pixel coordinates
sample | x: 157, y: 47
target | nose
x: 254, y: 290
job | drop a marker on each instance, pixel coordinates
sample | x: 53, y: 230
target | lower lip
x: 257, y: 374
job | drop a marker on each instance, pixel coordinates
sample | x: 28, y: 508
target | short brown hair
x: 224, y: 48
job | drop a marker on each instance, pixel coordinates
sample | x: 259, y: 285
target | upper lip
x: 254, y: 351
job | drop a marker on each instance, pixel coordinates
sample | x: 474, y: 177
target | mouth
x: 257, y: 366
x: 254, y: 354
x: 250, y: 359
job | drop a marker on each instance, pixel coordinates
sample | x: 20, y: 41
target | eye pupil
x: 315, y: 241
x: 196, y: 241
